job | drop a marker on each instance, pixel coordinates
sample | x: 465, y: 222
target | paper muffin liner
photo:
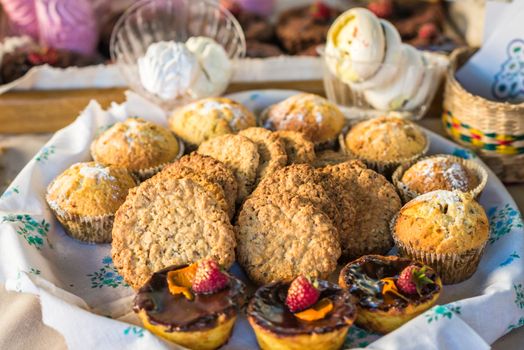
x: 146, y: 173
x: 408, y: 194
x: 386, y: 168
x: 451, y: 267
x: 88, y: 229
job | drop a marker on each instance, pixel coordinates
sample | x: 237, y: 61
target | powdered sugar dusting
x: 98, y: 172
x: 442, y: 196
x: 457, y: 177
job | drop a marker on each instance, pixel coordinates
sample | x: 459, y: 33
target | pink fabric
x: 22, y: 17
x: 261, y: 7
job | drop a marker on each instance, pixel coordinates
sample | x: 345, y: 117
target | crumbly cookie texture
x: 215, y: 171
x: 443, y: 222
x: 320, y: 120
x: 386, y: 139
x: 240, y: 155
x: 367, y: 202
x: 89, y: 189
x: 210, y: 117
x: 280, y: 237
x: 135, y: 144
x: 329, y: 157
x: 439, y: 173
x: 298, y: 148
x: 305, y: 182
x: 167, y: 221
x: 270, y: 148
x: 177, y: 171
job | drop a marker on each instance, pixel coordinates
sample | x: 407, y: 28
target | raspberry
x: 301, y: 294
x: 428, y: 31
x: 381, y: 8
x: 209, y: 278
x: 412, y: 279
x: 320, y: 11
x: 46, y: 55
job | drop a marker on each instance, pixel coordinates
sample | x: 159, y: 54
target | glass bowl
x: 396, y: 90
x: 150, y: 21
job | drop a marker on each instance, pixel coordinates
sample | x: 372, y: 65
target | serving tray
x: 84, y: 298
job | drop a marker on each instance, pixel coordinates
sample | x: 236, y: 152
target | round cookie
x: 271, y: 149
x: 240, y: 155
x: 167, y: 221
x: 303, y: 181
x: 280, y: 237
x: 177, y: 171
x: 298, y: 148
x: 329, y: 157
x: 374, y: 201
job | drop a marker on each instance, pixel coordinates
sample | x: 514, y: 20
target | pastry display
x: 303, y: 314
x: 385, y: 143
x: 320, y: 120
x: 446, y: 230
x: 85, y: 197
x: 210, y: 117
x: 191, y: 305
x: 389, y: 290
x: 138, y: 145
x: 439, y: 172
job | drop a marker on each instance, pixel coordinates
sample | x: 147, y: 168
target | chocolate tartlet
x: 363, y: 278
x: 205, y: 322
x: 277, y: 327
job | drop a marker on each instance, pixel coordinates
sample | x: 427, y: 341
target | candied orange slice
x: 317, y: 311
x: 390, y: 288
x: 180, y: 281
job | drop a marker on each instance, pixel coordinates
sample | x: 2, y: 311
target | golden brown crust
x: 320, y: 120
x: 202, y: 120
x: 135, y: 144
x: 329, y: 157
x: 299, y: 148
x: 167, y: 221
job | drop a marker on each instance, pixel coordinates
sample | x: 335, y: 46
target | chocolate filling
x: 268, y: 310
x: 180, y: 314
x: 363, y: 275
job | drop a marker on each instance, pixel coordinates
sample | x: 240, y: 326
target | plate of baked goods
x: 263, y: 219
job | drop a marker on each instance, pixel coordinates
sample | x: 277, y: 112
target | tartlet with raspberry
x: 192, y: 305
x: 303, y: 314
x: 390, y: 290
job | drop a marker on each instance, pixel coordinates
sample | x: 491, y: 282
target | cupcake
x: 445, y: 230
x: 194, y: 306
x: 439, y: 172
x: 141, y: 147
x: 320, y: 120
x: 385, y: 143
x: 85, y: 197
x: 390, y: 290
x: 208, y: 118
x: 302, y: 315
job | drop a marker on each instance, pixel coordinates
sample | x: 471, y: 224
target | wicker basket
x: 495, y: 130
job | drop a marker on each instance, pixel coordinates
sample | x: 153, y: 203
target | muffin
x: 385, y: 143
x: 283, y: 318
x: 439, y: 172
x: 194, y: 306
x: 389, y: 290
x: 445, y: 230
x: 298, y: 148
x: 142, y: 147
x: 320, y: 120
x: 208, y: 118
x: 85, y: 197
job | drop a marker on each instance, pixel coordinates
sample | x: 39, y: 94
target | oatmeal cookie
x: 167, y: 221
x: 240, y: 155
x: 271, y: 149
x: 298, y: 148
x: 329, y: 157
x: 373, y: 202
x: 280, y: 237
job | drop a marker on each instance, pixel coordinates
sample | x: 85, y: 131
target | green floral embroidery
x: 510, y: 259
x: 502, y: 221
x: 519, y: 295
x: 106, y: 276
x: 136, y: 331
x: 357, y: 337
x: 11, y: 191
x: 34, y: 271
x: 45, y: 153
x: 103, y: 128
x: 519, y: 323
x: 33, y: 231
x: 464, y: 153
x: 442, y: 311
